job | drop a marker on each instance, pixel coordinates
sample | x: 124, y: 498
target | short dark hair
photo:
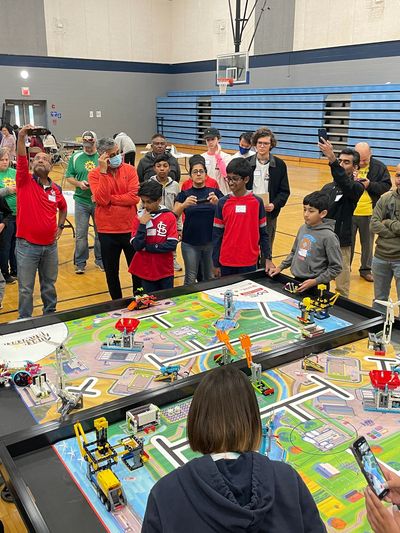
x: 224, y: 415
x: 246, y: 136
x: 354, y: 153
x: 158, y: 135
x: 317, y: 199
x: 152, y: 189
x: 161, y: 157
x: 239, y: 166
x: 197, y: 159
x: 8, y: 127
x: 264, y: 132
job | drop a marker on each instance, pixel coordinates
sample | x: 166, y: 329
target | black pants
x: 112, y: 244
x: 157, y: 285
x: 130, y: 158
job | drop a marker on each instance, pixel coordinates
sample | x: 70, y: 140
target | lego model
x: 69, y: 400
x: 378, y: 341
x: 142, y: 300
x: 229, y: 306
x: 101, y: 456
x: 309, y: 364
x: 256, y: 380
x: 318, y: 307
x: 19, y: 376
x: 268, y: 435
x: 223, y: 336
x: 386, y: 392
x: 168, y: 373
x: 143, y: 418
x: 291, y: 287
x: 223, y: 358
x: 309, y: 331
x: 40, y: 386
x: 126, y: 341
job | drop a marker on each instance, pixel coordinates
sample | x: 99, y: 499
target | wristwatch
x: 61, y: 226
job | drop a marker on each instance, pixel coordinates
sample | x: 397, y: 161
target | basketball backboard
x: 234, y: 66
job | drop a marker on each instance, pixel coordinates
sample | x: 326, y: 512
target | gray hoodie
x: 315, y: 253
x: 385, y: 222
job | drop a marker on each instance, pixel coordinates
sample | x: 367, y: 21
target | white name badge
x: 257, y: 173
x: 240, y: 209
x: 338, y: 197
x: 52, y: 198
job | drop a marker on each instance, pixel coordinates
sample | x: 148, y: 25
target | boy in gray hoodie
x: 315, y: 256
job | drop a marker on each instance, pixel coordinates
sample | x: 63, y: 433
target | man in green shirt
x: 8, y: 262
x: 79, y: 165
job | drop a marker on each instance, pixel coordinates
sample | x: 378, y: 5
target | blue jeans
x: 83, y: 213
x: 44, y: 260
x: 157, y: 285
x: 193, y: 256
x: 383, y: 272
x: 229, y: 271
x: 2, y: 286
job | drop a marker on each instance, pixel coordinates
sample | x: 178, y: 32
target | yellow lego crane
x: 101, y: 456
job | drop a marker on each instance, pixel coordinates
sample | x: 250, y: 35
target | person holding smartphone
x: 382, y: 518
x: 198, y: 206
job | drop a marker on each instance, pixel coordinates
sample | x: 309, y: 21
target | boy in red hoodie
x: 154, y: 239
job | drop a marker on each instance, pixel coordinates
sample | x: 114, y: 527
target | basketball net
x: 223, y: 84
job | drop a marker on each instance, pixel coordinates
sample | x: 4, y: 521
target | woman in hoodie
x: 231, y: 488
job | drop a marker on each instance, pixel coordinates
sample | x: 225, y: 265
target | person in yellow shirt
x: 375, y: 177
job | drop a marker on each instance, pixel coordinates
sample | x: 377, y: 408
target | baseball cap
x: 89, y: 136
x: 210, y: 133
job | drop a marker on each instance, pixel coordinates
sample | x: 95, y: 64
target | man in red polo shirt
x: 38, y: 201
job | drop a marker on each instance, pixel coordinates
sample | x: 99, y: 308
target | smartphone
x: 37, y: 131
x: 202, y: 200
x: 322, y: 134
x: 369, y: 466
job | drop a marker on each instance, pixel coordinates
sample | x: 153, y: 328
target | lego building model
x: 318, y: 307
x: 386, y: 391
x: 126, y: 341
x: 378, y: 341
x: 256, y: 380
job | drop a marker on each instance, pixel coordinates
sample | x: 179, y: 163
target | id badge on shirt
x: 52, y: 197
x: 240, y: 209
x: 257, y: 173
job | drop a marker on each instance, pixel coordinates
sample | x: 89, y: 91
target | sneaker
x: 177, y: 266
x: 1, y: 306
x: 367, y: 276
x: 79, y: 270
x: 10, y: 280
x: 99, y: 266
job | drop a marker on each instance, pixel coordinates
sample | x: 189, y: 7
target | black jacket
x: 5, y: 214
x: 249, y: 494
x: 145, y: 167
x: 379, y: 177
x: 344, y: 193
x: 278, y: 185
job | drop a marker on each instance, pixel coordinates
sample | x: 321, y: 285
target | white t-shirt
x: 238, y: 154
x: 213, y: 170
x: 261, y: 178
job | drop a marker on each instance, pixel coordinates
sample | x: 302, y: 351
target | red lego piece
x: 382, y: 378
x: 129, y: 325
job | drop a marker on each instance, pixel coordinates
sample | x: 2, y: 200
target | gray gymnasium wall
x: 275, y: 31
x: 127, y: 100
x: 23, y: 27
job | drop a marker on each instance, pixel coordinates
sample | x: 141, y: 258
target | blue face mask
x: 243, y: 151
x: 115, y: 161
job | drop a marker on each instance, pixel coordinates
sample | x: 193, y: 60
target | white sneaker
x: 177, y: 266
x: 79, y: 270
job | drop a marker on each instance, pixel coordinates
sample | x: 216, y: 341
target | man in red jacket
x: 38, y: 200
x: 114, y: 186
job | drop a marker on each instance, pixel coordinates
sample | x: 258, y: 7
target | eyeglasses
x: 259, y: 143
x: 200, y: 172
x: 233, y: 178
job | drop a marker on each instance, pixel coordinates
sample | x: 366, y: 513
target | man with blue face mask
x: 114, y: 187
x: 245, y: 145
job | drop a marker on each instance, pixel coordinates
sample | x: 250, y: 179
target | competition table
x: 45, y: 494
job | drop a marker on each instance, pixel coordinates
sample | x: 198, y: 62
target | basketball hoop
x: 223, y: 84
